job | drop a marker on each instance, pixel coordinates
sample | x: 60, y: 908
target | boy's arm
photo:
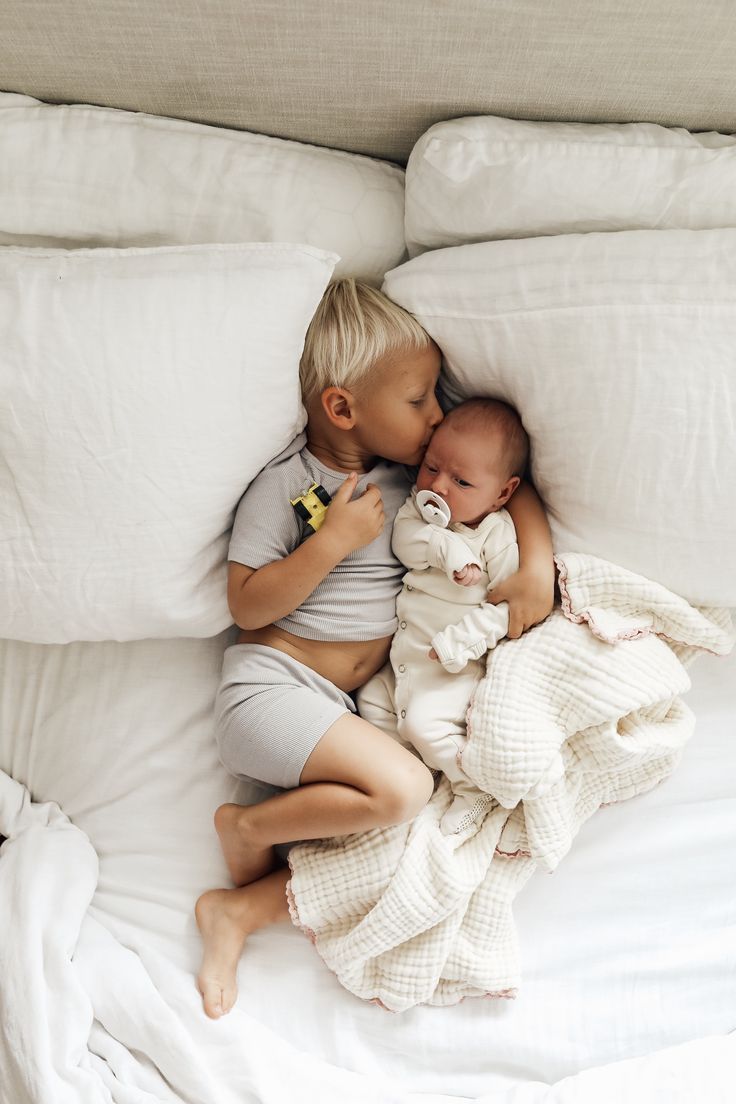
x: 529, y: 591
x: 420, y: 545
x: 258, y: 597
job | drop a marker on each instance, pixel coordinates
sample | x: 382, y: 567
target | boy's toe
x: 216, y: 999
x: 211, y: 998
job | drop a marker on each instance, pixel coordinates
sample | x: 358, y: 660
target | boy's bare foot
x: 245, y: 860
x: 222, y: 919
x: 226, y: 917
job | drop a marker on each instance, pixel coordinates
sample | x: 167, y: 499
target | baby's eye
x: 462, y: 483
x: 429, y: 467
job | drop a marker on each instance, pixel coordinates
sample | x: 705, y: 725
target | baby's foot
x: 245, y: 859
x: 222, y: 921
x: 466, y: 810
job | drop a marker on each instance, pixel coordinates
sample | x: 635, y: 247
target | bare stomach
x: 347, y: 664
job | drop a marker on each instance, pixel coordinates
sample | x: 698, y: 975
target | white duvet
x: 628, y: 948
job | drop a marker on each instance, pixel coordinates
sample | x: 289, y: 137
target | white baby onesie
x: 430, y: 699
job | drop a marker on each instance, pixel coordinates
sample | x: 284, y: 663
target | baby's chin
x: 472, y: 522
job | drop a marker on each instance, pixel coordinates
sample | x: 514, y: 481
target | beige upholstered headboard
x: 372, y: 75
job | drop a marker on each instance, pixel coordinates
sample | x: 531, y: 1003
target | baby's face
x: 467, y: 471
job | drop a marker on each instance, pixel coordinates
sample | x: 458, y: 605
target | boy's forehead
x: 416, y: 365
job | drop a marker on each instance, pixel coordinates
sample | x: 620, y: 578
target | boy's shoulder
x: 287, y: 469
x: 289, y: 457
x: 293, y: 450
x: 267, y: 500
x: 294, y: 470
x: 266, y: 526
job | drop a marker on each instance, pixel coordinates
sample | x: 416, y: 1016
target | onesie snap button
x: 403, y: 712
x: 403, y: 624
x: 402, y: 667
x: 409, y: 587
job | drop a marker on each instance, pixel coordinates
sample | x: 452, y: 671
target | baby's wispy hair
x: 500, y: 420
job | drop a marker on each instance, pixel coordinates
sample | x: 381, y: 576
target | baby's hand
x: 354, y: 522
x: 469, y: 576
x: 433, y: 654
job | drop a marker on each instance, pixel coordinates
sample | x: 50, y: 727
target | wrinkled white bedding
x: 628, y: 947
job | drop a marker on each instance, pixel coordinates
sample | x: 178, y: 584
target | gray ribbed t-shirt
x: 357, y: 600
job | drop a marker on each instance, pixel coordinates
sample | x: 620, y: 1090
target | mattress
x: 628, y: 947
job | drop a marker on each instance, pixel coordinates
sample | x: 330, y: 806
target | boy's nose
x: 439, y: 486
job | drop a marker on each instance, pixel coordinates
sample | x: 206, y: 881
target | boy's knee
x: 408, y: 791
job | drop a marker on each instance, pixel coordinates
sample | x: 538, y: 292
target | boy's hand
x: 530, y: 597
x: 354, y: 522
x: 468, y: 576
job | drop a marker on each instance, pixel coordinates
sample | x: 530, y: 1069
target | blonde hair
x: 492, y: 416
x: 353, y: 327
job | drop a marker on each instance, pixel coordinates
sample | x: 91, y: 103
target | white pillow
x: 618, y: 352
x: 482, y: 178
x: 81, y: 176
x: 140, y: 392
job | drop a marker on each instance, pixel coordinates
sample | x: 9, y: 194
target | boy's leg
x: 356, y: 778
x: 226, y: 917
x: 245, y: 866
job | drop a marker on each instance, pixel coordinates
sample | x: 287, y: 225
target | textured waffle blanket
x: 582, y: 711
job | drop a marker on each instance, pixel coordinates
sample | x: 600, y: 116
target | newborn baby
x: 457, y: 541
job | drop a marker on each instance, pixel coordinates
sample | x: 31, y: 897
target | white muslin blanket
x: 581, y: 711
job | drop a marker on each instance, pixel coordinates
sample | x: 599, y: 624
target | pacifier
x: 433, y: 508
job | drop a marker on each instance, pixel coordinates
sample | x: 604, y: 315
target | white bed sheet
x: 628, y: 948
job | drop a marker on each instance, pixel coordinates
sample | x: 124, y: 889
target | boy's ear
x: 508, y: 489
x: 337, y: 403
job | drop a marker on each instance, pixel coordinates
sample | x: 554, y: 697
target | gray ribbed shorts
x: 271, y: 711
